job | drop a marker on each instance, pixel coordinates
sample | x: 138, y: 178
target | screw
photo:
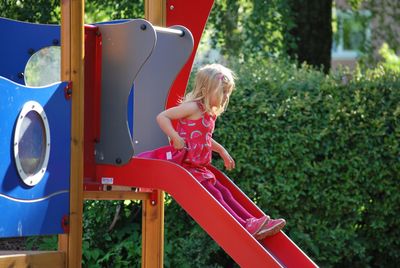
x: 56, y: 42
x: 31, y: 51
x: 143, y: 27
x: 118, y: 161
x: 20, y: 75
x: 171, y: 7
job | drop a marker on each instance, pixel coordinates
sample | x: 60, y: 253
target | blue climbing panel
x: 34, y: 209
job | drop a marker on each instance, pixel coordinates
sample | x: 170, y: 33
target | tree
x: 250, y: 29
x: 39, y: 11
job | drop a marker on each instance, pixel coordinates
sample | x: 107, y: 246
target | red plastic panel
x: 92, y: 99
x: 193, y: 15
x: 201, y: 206
x: 276, y: 251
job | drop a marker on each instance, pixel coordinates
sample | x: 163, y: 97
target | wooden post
x: 72, y: 64
x: 153, y: 210
x: 155, y: 12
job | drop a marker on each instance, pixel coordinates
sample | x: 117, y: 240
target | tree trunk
x: 312, y: 32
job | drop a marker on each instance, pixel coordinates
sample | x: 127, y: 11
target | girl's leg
x: 232, y: 202
x: 217, y: 194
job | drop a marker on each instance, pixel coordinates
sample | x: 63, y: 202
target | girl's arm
x: 164, y: 120
x: 228, y: 160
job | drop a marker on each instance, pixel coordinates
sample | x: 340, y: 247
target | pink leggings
x: 224, y: 196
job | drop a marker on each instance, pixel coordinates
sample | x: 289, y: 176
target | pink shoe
x: 254, y: 225
x: 271, y: 228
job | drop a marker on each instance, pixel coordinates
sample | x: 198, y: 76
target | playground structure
x: 119, y: 75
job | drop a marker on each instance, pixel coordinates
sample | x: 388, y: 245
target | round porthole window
x: 43, y: 68
x: 32, y: 143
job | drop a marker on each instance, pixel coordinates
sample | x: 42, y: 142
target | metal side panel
x: 154, y: 82
x: 126, y: 47
x: 38, y: 209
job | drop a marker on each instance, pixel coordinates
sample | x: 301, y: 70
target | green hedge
x: 318, y: 150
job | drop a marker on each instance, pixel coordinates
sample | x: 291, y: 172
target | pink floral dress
x: 197, y: 135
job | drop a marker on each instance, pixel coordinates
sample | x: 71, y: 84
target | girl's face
x: 220, y: 97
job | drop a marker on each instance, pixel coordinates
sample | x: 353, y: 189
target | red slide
x: 276, y: 251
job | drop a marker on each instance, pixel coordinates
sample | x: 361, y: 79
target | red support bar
x: 92, y: 101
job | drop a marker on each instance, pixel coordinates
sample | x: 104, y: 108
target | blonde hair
x: 212, y: 80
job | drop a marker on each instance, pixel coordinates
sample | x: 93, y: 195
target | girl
x: 192, y: 140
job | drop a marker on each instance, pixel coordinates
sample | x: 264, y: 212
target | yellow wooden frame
x: 153, y: 210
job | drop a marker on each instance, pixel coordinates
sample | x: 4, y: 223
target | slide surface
x: 276, y: 251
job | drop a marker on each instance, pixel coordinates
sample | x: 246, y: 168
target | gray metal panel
x: 126, y: 47
x: 153, y: 84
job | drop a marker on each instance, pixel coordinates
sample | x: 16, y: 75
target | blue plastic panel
x: 19, y: 40
x: 36, y: 210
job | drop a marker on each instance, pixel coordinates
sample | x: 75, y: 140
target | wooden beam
x: 72, y: 69
x: 115, y: 195
x: 39, y: 259
x: 153, y: 213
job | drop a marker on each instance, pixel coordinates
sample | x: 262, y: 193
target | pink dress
x: 197, y: 135
x: 197, y: 154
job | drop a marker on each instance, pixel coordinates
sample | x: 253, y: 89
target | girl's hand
x: 228, y: 160
x: 178, y: 142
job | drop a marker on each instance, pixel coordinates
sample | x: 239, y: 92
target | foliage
x: 390, y: 60
x: 39, y: 11
x: 187, y: 245
x: 322, y: 154
x: 106, y: 10
x: 246, y: 29
x: 41, y: 242
x: 111, y: 234
x: 48, y: 11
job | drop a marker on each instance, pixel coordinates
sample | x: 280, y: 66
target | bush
x: 111, y: 234
x: 318, y: 150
